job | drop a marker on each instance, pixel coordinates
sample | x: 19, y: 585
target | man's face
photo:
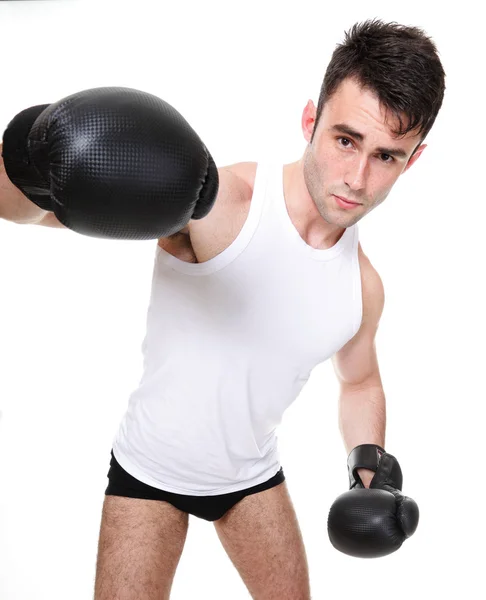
x: 354, y: 154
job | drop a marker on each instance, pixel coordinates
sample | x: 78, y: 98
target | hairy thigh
x: 262, y: 537
x: 139, y: 547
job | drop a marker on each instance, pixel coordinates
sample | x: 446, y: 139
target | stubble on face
x: 315, y: 177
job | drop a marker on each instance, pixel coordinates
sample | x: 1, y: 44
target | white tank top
x: 230, y: 344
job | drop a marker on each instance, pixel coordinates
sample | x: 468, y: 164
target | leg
x: 140, y: 546
x: 262, y: 538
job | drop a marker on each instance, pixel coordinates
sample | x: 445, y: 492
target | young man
x: 268, y: 281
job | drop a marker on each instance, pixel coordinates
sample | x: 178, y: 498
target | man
x: 266, y: 281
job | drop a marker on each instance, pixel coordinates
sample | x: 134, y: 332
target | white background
x: 73, y: 308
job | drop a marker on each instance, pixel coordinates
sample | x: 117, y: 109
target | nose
x: 356, y: 174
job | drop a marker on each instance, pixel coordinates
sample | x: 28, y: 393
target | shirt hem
x: 132, y: 470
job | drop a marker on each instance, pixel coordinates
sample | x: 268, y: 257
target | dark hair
x: 399, y: 64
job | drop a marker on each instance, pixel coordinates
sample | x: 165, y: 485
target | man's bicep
x: 356, y: 362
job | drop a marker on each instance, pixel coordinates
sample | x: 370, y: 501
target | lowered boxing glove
x: 111, y: 162
x: 374, y: 522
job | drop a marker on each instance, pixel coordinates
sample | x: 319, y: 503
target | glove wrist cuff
x: 365, y: 456
x: 17, y: 159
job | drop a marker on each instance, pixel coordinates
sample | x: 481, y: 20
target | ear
x: 414, y: 158
x: 308, y: 120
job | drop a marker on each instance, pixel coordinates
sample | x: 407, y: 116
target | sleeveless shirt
x: 229, y: 345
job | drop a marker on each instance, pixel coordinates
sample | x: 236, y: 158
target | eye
x: 390, y: 157
x: 346, y: 140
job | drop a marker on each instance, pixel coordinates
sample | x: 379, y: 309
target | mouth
x: 345, y: 203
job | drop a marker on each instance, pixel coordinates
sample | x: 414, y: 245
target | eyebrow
x: 347, y: 130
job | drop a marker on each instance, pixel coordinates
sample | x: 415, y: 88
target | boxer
x: 258, y: 277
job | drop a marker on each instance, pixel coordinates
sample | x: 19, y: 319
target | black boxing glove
x: 375, y: 521
x: 111, y: 162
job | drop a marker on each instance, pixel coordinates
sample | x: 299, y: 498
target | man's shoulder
x: 232, y: 203
x: 241, y: 174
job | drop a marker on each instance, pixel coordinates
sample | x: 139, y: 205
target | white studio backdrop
x: 73, y: 308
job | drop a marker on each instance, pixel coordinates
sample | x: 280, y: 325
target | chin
x: 341, y: 220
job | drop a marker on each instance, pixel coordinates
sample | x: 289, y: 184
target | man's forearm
x: 362, y: 419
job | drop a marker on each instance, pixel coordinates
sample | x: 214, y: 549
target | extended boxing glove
x: 111, y: 162
x: 375, y: 521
